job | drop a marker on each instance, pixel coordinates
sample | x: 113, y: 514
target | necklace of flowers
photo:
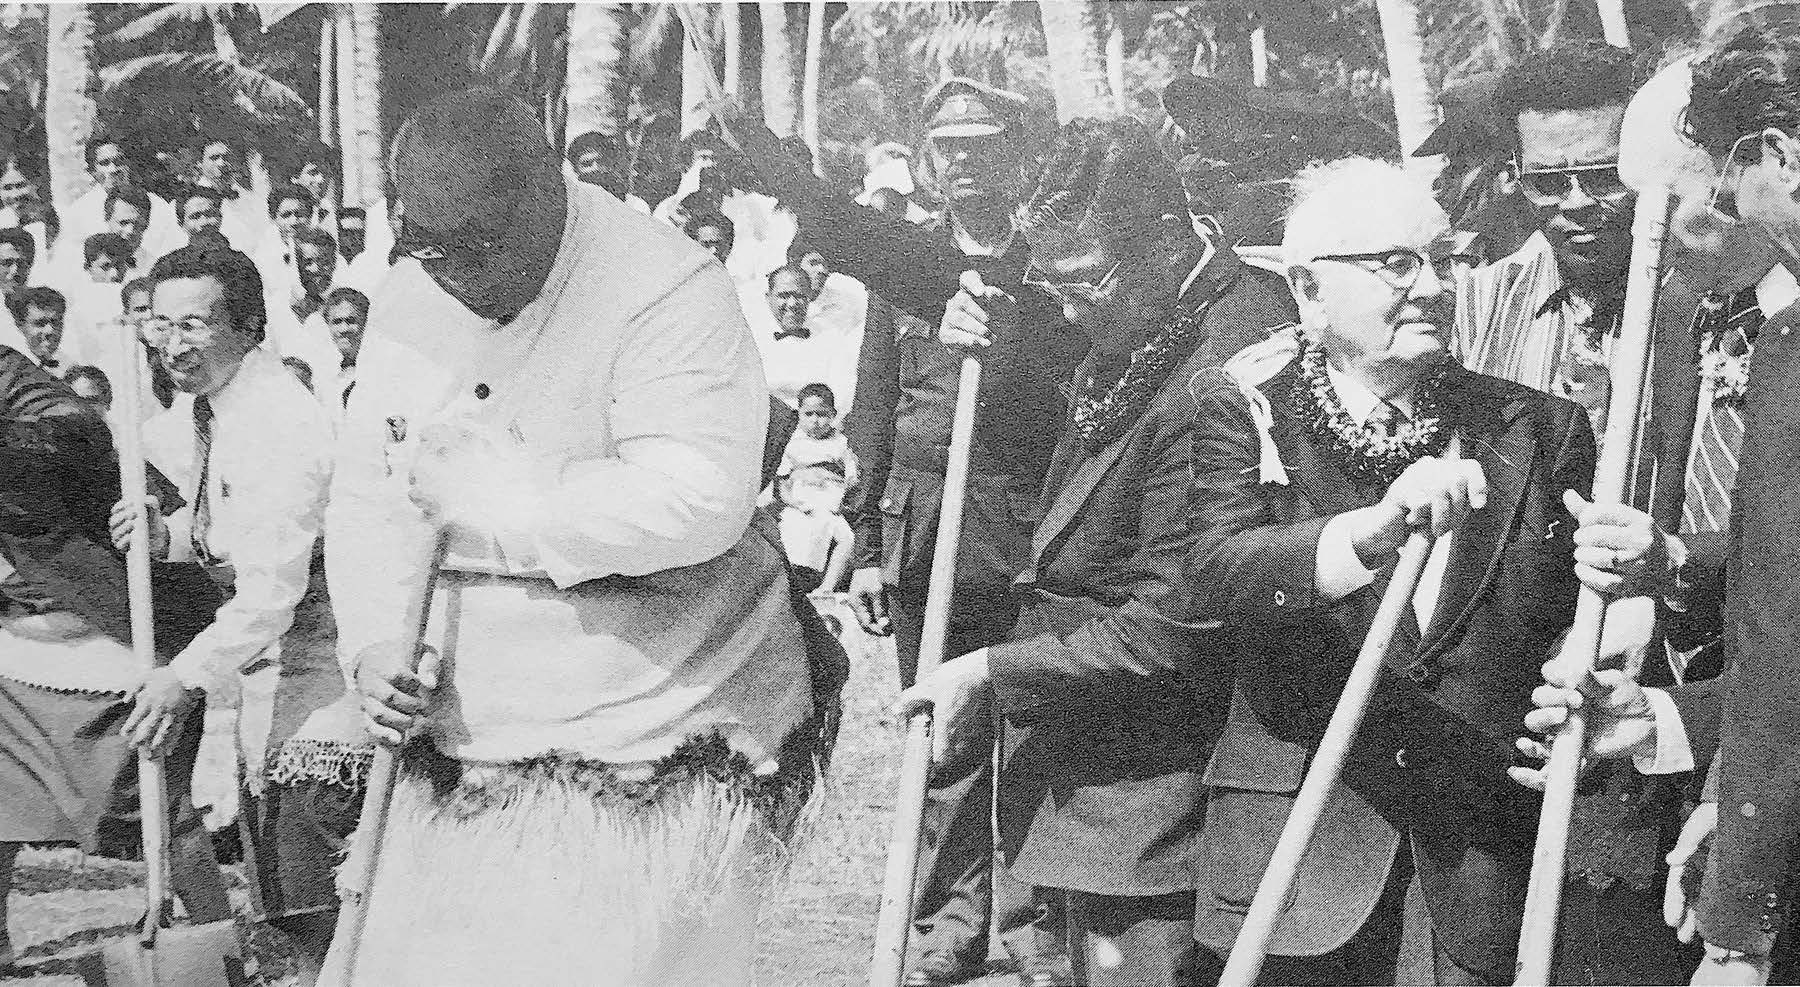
x: 1102, y: 417
x: 1368, y: 453
x: 1723, y: 375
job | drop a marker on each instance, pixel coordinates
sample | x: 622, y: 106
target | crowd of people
x: 532, y: 479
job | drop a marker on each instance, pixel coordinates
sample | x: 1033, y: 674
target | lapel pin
x: 397, y: 428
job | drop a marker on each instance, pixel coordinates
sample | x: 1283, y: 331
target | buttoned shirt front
x: 269, y: 473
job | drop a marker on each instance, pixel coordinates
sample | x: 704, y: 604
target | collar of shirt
x: 971, y: 247
x: 1357, y: 399
x: 231, y: 395
x: 802, y: 333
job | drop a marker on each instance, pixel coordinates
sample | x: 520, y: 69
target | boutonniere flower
x: 1726, y: 375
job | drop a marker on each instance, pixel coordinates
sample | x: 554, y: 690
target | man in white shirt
x: 252, y: 458
x: 242, y: 218
x: 201, y: 210
x: 564, y: 388
x: 603, y: 160
x: 796, y: 350
x: 109, y: 164
x: 297, y: 318
x: 346, y: 314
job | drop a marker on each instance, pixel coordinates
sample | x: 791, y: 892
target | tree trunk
x: 780, y: 83
x: 1259, y: 55
x: 69, y: 100
x: 1115, y: 64
x: 328, y: 98
x: 1500, y: 31
x: 809, y: 89
x: 732, y: 38
x: 1612, y: 23
x: 359, y: 119
x: 696, y: 58
x: 1415, y: 103
x: 1071, y: 35
x: 598, y: 80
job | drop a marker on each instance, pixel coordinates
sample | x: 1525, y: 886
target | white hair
x: 1342, y: 206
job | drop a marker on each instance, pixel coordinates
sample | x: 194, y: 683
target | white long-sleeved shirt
x: 269, y: 476
x: 620, y: 419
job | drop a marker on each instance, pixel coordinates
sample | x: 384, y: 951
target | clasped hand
x: 977, y: 316
x: 125, y: 519
x: 396, y: 695
x: 1434, y: 494
x: 957, y: 695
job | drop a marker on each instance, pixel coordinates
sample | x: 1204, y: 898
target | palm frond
x: 244, y: 86
x: 168, y: 14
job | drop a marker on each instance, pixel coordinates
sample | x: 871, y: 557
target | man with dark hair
x: 1744, y: 109
x: 297, y: 318
x: 605, y: 160
x: 346, y: 314
x: 200, y: 209
x: 899, y: 427
x: 1545, y: 316
x: 18, y: 253
x: 713, y: 232
x: 627, y: 678
x: 106, y: 257
x: 353, y: 232
x: 315, y: 170
x: 110, y: 165
x: 127, y: 212
x: 40, y: 313
x: 709, y: 185
x: 252, y: 458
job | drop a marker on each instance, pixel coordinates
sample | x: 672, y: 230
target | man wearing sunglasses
x: 1739, y: 891
x: 1545, y: 315
x: 565, y: 390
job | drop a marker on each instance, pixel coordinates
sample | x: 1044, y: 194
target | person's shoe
x: 1046, y: 971
x: 938, y: 968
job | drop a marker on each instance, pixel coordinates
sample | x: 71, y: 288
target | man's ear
x: 1786, y: 151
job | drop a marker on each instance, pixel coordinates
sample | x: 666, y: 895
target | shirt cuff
x: 1338, y: 571
x: 1674, y: 754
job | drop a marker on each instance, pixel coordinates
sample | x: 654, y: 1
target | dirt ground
x: 818, y: 932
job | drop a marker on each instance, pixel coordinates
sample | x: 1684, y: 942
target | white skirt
x: 558, y: 872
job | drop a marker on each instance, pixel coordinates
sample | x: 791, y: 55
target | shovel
x: 160, y: 955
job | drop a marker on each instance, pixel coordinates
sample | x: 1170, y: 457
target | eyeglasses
x: 1401, y: 266
x: 1087, y: 291
x: 1723, y: 203
x: 162, y: 333
x: 1601, y: 181
x: 470, y: 243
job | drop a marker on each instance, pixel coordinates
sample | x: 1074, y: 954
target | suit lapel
x: 1324, y: 485
x: 1494, y: 433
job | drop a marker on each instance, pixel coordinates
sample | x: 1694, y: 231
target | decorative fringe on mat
x: 557, y: 870
x: 332, y: 762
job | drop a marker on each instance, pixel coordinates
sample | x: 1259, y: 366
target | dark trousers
x: 1133, y: 942
x: 1397, y: 945
x: 958, y: 886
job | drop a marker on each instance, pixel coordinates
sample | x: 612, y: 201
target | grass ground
x: 819, y: 930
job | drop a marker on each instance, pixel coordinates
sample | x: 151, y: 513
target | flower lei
x: 1724, y: 375
x: 1372, y: 454
x: 1101, y: 417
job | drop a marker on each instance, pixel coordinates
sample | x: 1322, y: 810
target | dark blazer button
x: 481, y: 392
x: 1421, y: 674
x: 1280, y: 598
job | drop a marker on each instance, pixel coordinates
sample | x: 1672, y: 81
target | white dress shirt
x: 621, y: 418
x: 1339, y: 571
x: 267, y: 483
x: 87, y: 216
x: 827, y: 355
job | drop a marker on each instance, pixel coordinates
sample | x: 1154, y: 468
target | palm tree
x: 1415, y: 102
x: 1612, y: 21
x: 359, y: 118
x: 599, y: 81
x: 69, y: 107
x: 696, y: 64
x: 780, y: 81
x: 1071, y: 34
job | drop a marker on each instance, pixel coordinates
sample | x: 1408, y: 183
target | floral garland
x: 1372, y: 454
x: 1724, y: 375
x: 1101, y: 417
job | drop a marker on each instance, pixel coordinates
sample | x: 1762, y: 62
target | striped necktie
x: 1719, y: 436
x: 203, y: 438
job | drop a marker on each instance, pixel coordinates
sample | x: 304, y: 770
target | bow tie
x: 347, y: 365
x: 781, y: 334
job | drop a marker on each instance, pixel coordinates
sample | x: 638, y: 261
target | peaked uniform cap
x: 963, y: 107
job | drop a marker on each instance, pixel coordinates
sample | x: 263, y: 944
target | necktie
x: 203, y: 437
x: 1713, y: 460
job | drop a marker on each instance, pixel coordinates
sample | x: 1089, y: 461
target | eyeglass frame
x: 1424, y: 260
x: 1573, y: 173
x: 470, y: 238
x: 151, y: 331
x: 1087, y: 291
x: 1731, y: 161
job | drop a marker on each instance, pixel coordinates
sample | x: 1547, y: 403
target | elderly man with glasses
x: 1310, y: 476
x: 562, y: 393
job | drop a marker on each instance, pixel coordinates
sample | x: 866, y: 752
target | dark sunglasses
x: 1601, y: 181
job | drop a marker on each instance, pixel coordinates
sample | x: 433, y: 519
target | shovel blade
x: 209, y: 955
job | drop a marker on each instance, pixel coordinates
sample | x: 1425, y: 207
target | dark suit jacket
x: 1749, y: 591
x: 1430, y: 760
x: 1112, y: 667
x: 58, y: 482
